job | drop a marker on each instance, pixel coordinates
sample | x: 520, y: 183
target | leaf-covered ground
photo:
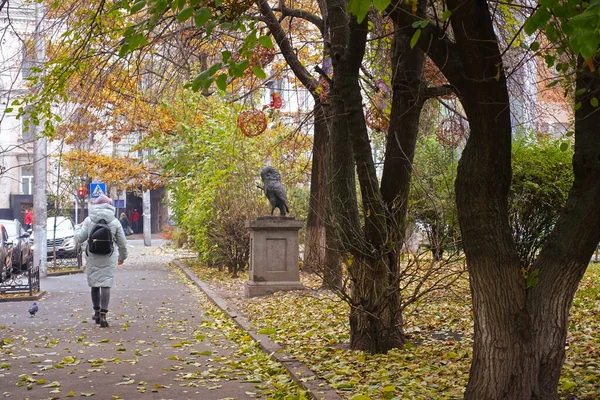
x: 313, y: 326
x: 166, y: 341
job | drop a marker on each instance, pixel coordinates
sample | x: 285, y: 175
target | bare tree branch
x: 286, y: 48
x: 302, y: 14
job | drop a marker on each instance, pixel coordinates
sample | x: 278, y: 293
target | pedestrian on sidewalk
x: 100, y: 268
x: 125, y: 224
x: 135, y: 217
x: 28, y: 220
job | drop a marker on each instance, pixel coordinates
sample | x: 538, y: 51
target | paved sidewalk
x: 157, y: 346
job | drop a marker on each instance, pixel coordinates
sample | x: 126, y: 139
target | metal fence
x: 25, y: 281
x: 61, y: 262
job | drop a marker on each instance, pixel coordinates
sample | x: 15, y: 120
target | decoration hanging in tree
x: 276, y: 102
x: 252, y: 122
x: 450, y: 132
x: 324, y: 90
x: 377, y: 119
x: 262, y: 56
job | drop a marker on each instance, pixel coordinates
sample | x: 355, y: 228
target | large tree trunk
x: 375, y: 317
x: 520, y: 326
x: 407, y: 103
x: 503, y: 357
x: 375, y: 322
x: 520, y: 331
x: 503, y: 362
x: 567, y: 252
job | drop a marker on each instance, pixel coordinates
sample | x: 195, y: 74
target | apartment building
x: 17, y: 27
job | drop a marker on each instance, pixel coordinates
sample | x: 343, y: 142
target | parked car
x: 62, y: 238
x: 22, y: 253
x: 5, y: 254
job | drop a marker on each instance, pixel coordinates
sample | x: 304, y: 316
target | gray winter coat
x: 100, y: 268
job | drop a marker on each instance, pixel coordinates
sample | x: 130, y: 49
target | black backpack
x: 100, y: 239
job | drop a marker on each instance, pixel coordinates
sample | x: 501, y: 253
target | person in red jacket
x: 134, y: 219
x: 28, y: 220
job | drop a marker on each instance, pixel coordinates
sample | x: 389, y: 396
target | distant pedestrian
x: 135, y: 218
x: 101, y: 268
x: 124, y: 223
x: 28, y: 220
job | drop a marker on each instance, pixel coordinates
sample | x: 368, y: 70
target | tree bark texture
x: 520, y: 331
x: 376, y: 324
x: 332, y: 269
x: 376, y: 320
x: 315, y: 224
x: 503, y: 358
x: 567, y: 252
x: 407, y: 103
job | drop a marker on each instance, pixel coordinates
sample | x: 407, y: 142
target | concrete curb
x: 302, y: 375
x: 35, y: 297
x: 64, y: 273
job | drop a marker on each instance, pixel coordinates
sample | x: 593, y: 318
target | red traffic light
x: 81, y: 192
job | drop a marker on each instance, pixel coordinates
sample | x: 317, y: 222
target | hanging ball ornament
x: 252, y: 122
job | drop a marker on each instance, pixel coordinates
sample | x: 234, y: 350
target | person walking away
x: 28, y: 220
x: 101, y: 268
x: 124, y: 223
x: 135, y: 218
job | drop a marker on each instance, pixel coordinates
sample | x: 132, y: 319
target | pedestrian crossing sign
x: 97, y: 189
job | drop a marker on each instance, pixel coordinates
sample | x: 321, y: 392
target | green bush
x: 213, y: 172
x: 542, y: 177
x: 432, y: 203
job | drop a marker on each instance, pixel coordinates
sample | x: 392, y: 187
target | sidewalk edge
x: 302, y: 375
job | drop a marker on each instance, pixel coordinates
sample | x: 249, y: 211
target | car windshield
x: 11, y: 229
x: 61, y: 225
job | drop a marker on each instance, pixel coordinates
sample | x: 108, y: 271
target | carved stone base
x: 273, y: 255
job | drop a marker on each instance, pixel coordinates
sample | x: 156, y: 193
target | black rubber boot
x: 103, y: 322
x: 96, y: 316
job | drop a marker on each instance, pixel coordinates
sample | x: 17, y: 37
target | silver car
x: 6, y: 252
x: 60, y: 238
x: 22, y: 253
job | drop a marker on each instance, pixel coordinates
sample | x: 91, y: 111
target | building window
x: 26, y: 180
x: 28, y: 53
x: 275, y: 86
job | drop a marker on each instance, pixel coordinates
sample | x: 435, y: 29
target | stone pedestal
x: 273, y: 255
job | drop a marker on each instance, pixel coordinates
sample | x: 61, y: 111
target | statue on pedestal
x: 274, y: 190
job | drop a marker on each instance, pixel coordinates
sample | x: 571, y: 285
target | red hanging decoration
x: 377, y: 120
x: 324, y: 91
x: 276, y: 102
x: 450, y: 132
x: 252, y: 122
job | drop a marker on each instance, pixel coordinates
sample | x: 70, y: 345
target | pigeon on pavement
x: 33, y: 309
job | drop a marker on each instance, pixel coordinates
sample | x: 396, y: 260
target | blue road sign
x: 119, y: 203
x: 96, y: 189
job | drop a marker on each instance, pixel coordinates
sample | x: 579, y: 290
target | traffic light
x: 81, y: 192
